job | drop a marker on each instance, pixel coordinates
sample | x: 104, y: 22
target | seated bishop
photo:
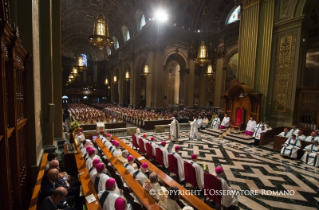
x: 130, y: 166
x: 140, y: 174
x: 199, y: 172
x: 291, y: 147
x: 165, y: 153
x: 154, y: 146
x: 225, y: 122
x: 285, y: 133
x: 250, y: 128
x: 311, y: 154
x: 108, y: 196
x: 312, y: 137
x: 293, y: 130
x: 300, y: 136
x: 180, y: 163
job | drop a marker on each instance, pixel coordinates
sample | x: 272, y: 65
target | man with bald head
x: 51, y: 202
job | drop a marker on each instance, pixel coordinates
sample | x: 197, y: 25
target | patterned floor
x: 252, y: 168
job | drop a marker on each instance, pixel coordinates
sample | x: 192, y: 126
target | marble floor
x: 252, y: 168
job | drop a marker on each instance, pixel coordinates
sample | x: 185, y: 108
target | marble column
x: 202, y: 86
x: 183, y: 87
x: 46, y: 68
x: 159, y: 73
x: 150, y: 86
x: 121, y: 83
x: 190, y: 89
x: 219, y: 82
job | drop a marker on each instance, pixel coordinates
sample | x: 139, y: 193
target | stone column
x: 149, y: 85
x: 202, y: 86
x: 121, y: 83
x: 219, y: 81
x: 131, y: 86
x: 159, y: 73
x: 112, y: 87
x: 57, y: 67
x: 190, y: 89
x: 46, y: 68
x: 183, y: 87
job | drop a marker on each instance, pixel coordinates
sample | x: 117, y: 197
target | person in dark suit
x: 50, y: 202
x: 48, y: 187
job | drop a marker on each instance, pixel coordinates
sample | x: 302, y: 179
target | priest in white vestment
x: 101, y: 178
x: 140, y: 174
x: 311, y: 154
x: 154, y: 146
x: 258, y: 127
x: 180, y: 163
x: 216, y: 122
x: 174, y: 129
x: 300, y: 136
x: 107, y: 142
x: 285, y: 133
x: 92, y: 170
x: 251, y: 125
x: 92, y: 156
x: 130, y: 166
x: 194, y: 130
x: 199, y: 122
x: 137, y: 135
x: 291, y: 147
x: 268, y: 128
x: 258, y: 134
x: 293, y: 130
x: 228, y: 199
x: 225, y: 122
x: 165, y: 153
x: 199, y: 172
x: 116, y: 151
x: 108, y: 196
x: 313, y: 136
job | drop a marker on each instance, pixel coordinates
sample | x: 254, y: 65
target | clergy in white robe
x: 199, y: 172
x: 193, y: 133
x: 92, y: 170
x: 109, y: 196
x: 137, y: 135
x: 312, y: 137
x: 159, y: 191
x: 300, y: 136
x: 199, y: 121
x: 180, y: 163
x: 293, y: 130
x: 258, y: 134
x: 258, y: 127
x: 129, y: 166
x: 117, y: 151
x: 205, y: 122
x: 216, y: 122
x: 311, y: 154
x: 101, y: 135
x: 90, y: 158
x: 291, y: 147
x: 101, y: 178
x: 165, y: 153
x: 140, y: 174
x: 225, y: 122
x: 250, y: 128
x: 154, y: 146
x: 285, y: 133
x: 228, y: 199
x: 268, y: 128
x: 174, y: 129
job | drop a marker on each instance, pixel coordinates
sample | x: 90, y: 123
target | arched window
x: 108, y: 50
x: 65, y: 97
x: 234, y: 16
x: 116, y: 43
x: 126, y: 33
x: 85, y: 60
x: 143, y: 22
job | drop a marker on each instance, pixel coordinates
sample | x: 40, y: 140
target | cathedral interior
x: 243, y: 58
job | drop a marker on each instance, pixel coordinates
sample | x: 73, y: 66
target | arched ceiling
x: 78, y: 17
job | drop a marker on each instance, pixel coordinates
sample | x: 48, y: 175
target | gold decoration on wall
x: 284, y: 6
x: 284, y: 72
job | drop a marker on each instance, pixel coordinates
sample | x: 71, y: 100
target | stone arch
x: 179, y: 56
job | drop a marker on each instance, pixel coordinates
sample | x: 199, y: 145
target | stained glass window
x: 85, y: 60
x: 234, y: 16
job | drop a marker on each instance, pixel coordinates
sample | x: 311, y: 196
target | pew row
x: 146, y: 199
x: 279, y: 141
x: 191, y: 199
x: 37, y: 187
x: 85, y: 180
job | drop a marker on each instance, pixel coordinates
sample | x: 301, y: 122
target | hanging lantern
x: 146, y: 70
x: 209, y: 71
x: 106, y: 81
x: 202, y: 56
x: 101, y: 37
x: 127, y: 76
x: 115, y: 79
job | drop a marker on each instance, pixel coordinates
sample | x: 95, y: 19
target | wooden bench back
x: 37, y: 187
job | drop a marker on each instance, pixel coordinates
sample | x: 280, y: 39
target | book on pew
x: 90, y: 198
x: 71, y: 148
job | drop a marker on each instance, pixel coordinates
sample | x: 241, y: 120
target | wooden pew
x: 139, y: 191
x: 37, y: 187
x: 86, y: 183
x: 191, y: 199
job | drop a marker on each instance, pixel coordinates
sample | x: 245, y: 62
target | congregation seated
x: 116, y: 150
x: 51, y: 202
x: 123, y: 157
x: 215, y: 122
x: 291, y: 147
x: 130, y: 165
x: 51, y: 156
x: 250, y: 128
x: 199, y: 172
x: 300, y: 136
x: 173, y: 196
x: 180, y: 163
x: 92, y: 170
x: 155, y: 186
x: 225, y: 122
x: 285, y: 133
x: 310, y: 156
x: 313, y: 136
x: 228, y: 199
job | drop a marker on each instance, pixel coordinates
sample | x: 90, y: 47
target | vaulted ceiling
x: 78, y: 17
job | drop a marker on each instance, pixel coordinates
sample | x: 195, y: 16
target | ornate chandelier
x: 101, y: 37
x: 202, y: 56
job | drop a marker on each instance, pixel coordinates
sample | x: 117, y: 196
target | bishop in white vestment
x: 251, y: 125
x: 93, y: 171
x: 291, y: 147
x: 137, y: 135
x: 285, y: 133
x: 216, y: 122
x: 180, y: 163
x: 312, y: 137
x: 154, y: 146
x: 311, y: 154
x: 174, y: 129
x: 293, y: 130
x: 300, y: 136
x: 165, y: 153
x: 140, y: 174
x: 199, y: 172
x: 225, y: 122
x: 108, y: 197
x: 130, y: 165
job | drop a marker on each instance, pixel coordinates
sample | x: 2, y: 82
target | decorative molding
x: 249, y: 3
x: 284, y: 73
x: 284, y: 6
